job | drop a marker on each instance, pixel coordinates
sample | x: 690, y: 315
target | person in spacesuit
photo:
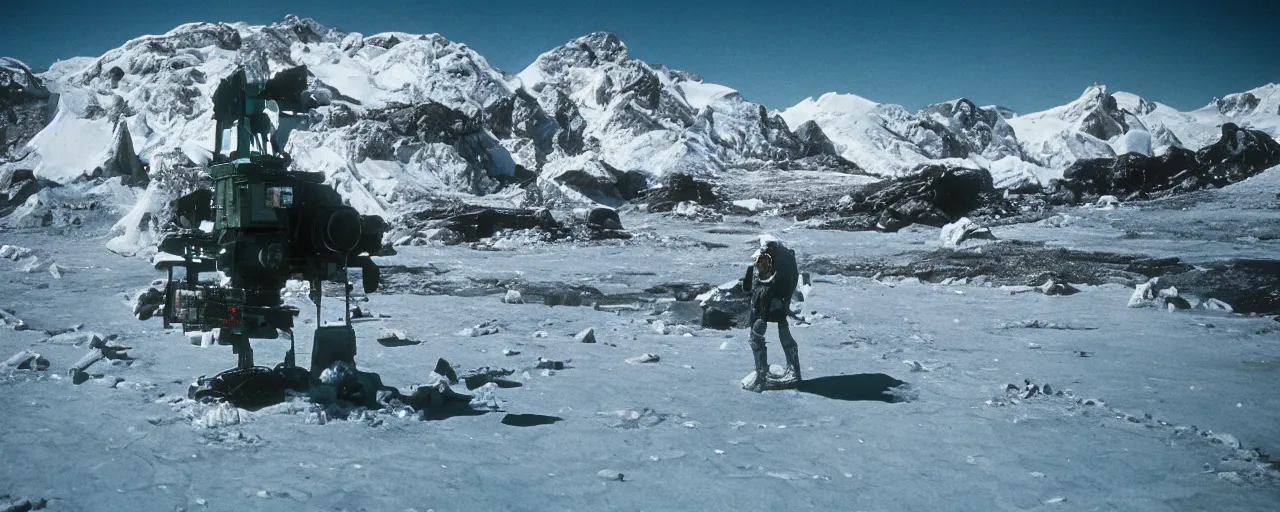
x: 772, y: 286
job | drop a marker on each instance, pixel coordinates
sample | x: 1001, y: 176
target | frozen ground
x: 681, y: 430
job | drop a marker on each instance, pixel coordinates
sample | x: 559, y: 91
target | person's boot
x: 790, y: 348
x: 761, y: 354
x: 793, y: 360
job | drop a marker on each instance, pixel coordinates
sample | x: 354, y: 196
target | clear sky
x: 1028, y: 55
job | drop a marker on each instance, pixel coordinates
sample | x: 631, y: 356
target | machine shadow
x: 873, y: 387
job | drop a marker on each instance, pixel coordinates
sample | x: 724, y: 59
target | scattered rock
x: 604, y: 218
x: 1107, y: 203
x: 1175, y: 302
x: 609, y: 475
x: 9, y: 320
x: 510, y: 352
x: 223, y: 414
x: 512, y: 297
x: 484, y: 329
x: 1226, y: 439
x: 21, y: 505
x: 1144, y: 294
x: 149, y: 302
x: 336, y: 374
x: 644, y: 358
x: 109, y: 381
x: 27, y: 360
x: 445, y: 370
x: 1232, y: 477
x: 1054, y: 287
x: 549, y: 364
x: 32, y: 264
x: 586, y: 336
x: 202, y: 339
x: 1216, y: 305
x: 56, y: 270
x: 78, y: 338
x: 659, y: 327
x: 696, y: 212
x: 631, y: 418
x: 13, y: 252
x: 955, y: 233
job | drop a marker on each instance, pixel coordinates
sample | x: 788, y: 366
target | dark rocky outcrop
x: 678, y: 188
x: 1248, y: 285
x: 473, y: 223
x: 969, y: 130
x: 26, y: 107
x: 933, y: 195
x: 1236, y: 156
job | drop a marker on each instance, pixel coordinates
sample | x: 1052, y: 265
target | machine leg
x: 240, y: 345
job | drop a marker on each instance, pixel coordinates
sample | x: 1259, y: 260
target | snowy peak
x: 636, y: 116
x: 1262, y: 100
x: 589, y: 51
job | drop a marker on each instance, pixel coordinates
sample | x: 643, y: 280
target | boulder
x: 681, y: 188
x: 955, y: 233
x: 604, y: 218
x: 1107, y: 202
x: 643, y: 359
x: 512, y: 297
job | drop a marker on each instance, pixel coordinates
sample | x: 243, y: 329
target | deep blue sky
x: 1028, y: 55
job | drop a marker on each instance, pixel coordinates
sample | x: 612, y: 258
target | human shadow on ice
x: 853, y: 388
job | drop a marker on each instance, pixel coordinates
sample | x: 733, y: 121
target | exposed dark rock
x: 1013, y: 262
x: 933, y: 195
x: 476, y: 222
x: 428, y: 122
x: 604, y: 218
x: 969, y: 130
x: 1237, y: 104
x: 26, y: 107
x: 813, y: 140
x: 1105, y: 121
x: 678, y: 188
x: 1236, y: 156
x: 1249, y: 286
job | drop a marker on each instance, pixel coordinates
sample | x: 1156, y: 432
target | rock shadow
x: 529, y: 420
x: 875, y: 387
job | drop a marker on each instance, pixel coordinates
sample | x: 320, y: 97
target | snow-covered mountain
x: 617, y: 113
x: 407, y: 118
x: 888, y: 140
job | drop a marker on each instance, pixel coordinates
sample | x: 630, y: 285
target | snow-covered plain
x: 681, y: 431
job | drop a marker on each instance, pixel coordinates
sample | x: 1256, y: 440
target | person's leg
x: 789, y: 347
x: 760, y: 351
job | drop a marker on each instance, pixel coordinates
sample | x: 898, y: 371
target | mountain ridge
x: 407, y: 118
